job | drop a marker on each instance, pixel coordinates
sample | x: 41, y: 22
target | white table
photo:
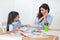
x: 10, y: 37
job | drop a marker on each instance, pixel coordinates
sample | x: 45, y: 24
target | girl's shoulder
x: 10, y: 25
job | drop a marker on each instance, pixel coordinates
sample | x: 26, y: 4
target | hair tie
x: 12, y: 14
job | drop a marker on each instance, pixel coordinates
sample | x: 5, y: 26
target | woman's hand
x: 40, y: 19
x: 43, y: 17
x: 45, y: 21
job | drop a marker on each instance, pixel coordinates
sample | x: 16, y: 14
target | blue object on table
x: 33, y: 31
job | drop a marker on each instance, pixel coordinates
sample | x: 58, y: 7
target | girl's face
x: 16, y: 18
x: 43, y: 11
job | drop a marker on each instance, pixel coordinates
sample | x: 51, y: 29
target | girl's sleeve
x: 19, y: 23
x: 10, y: 27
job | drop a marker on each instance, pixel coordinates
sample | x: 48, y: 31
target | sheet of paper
x: 27, y: 29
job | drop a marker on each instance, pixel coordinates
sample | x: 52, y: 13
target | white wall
x: 28, y: 10
x: 37, y: 4
x: 55, y: 11
x: 5, y: 7
x: 25, y: 8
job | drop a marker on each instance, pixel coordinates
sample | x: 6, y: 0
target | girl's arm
x: 26, y: 25
x: 11, y: 28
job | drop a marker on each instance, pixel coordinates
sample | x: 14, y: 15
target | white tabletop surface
x: 10, y: 37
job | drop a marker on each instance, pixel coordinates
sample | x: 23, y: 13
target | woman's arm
x: 54, y: 29
x: 45, y: 21
x: 40, y: 19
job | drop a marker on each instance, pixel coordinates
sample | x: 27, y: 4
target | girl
x: 13, y: 21
x: 43, y: 17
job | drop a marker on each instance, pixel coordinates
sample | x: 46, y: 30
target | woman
x: 43, y: 17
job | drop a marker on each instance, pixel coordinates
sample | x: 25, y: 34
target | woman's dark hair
x: 11, y: 17
x: 46, y: 7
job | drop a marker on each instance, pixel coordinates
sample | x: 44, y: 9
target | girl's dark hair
x: 46, y: 7
x: 11, y: 17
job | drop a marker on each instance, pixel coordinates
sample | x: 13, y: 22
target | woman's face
x: 16, y: 18
x: 43, y: 11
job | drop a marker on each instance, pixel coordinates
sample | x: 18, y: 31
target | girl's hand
x: 17, y: 28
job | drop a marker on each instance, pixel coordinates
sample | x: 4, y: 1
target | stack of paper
x: 27, y: 29
x: 29, y: 32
